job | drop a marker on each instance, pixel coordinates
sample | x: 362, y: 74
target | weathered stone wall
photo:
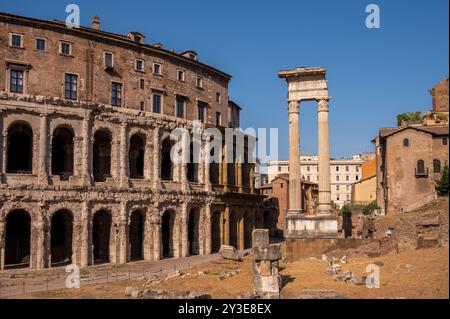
x: 439, y: 94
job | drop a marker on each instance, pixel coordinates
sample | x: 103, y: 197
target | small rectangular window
x: 357, y: 177
x: 337, y: 178
x: 157, y: 68
x: 180, y: 107
x: 337, y: 168
x: 109, y: 60
x: 116, y: 94
x: 142, y: 106
x: 16, y: 40
x: 347, y: 168
x: 201, y: 108
x: 357, y: 168
x: 218, y: 118
x: 444, y: 141
x: 218, y: 97
x: 16, y: 81
x: 40, y: 44
x: 71, y: 86
x: 199, y: 82
x: 347, y: 178
x: 142, y: 84
x: 156, y: 103
x: 139, y: 65
x: 65, y: 48
x: 180, y: 75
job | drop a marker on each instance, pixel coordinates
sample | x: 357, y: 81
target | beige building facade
x: 85, y: 168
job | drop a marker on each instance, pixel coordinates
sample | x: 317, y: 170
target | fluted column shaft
x: 324, y: 158
x: 295, y: 198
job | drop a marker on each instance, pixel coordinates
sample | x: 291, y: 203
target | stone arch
x: 19, y: 148
x: 215, y: 231
x: 136, y: 155
x: 63, y: 152
x: 17, y: 239
x: 102, y: 155
x: 101, y: 236
x: 194, y: 231
x: 136, y: 235
x: 61, y: 237
x: 167, y: 166
x: 168, y: 227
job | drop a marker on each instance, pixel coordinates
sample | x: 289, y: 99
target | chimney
x: 96, y: 23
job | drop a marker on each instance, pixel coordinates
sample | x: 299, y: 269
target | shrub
x: 369, y: 208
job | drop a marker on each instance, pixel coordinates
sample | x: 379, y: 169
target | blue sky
x: 373, y: 74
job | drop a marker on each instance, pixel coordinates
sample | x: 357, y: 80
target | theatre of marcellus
x: 86, y: 175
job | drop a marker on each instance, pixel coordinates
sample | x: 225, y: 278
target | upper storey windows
x: 157, y: 68
x: 65, y: 48
x: 41, y: 44
x: 139, y: 65
x: 16, y: 40
x: 108, y: 60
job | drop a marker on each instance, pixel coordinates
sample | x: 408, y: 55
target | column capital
x: 293, y: 106
x: 322, y: 104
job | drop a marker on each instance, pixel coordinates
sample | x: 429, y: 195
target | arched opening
x: 215, y: 232
x: 102, y: 156
x: 17, y: 241
x: 193, y: 232
x: 436, y: 166
x: 136, y: 235
x: 166, y: 161
x: 61, y: 237
x: 20, y: 149
x: 420, y: 167
x: 234, y: 220
x: 62, y: 153
x: 248, y: 227
x: 167, y: 226
x: 136, y: 156
x: 192, y: 165
x: 101, y: 233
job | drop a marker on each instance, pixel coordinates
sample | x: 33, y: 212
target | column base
x: 307, y: 226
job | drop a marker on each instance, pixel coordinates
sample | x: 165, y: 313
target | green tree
x: 409, y: 118
x: 442, y: 185
x: 370, y: 208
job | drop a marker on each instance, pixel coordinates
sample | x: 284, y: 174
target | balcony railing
x: 19, y: 171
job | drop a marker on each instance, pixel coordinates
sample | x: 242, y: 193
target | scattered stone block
x: 229, y: 252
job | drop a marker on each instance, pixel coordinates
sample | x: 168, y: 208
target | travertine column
x: 43, y: 149
x: 157, y: 237
x: 239, y: 175
x: 207, y: 236
x: 207, y: 164
x: 156, y: 178
x: 39, y: 235
x: 86, y: 151
x: 124, y: 242
x: 324, y: 158
x: 295, y: 196
x: 226, y: 239
x: 241, y: 231
x: 250, y: 174
x: 123, y: 155
x: 2, y: 151
x: 86, y: 236
x: 2, y: 245
x: 184, y: 231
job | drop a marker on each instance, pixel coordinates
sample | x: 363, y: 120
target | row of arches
x: 18, y: 236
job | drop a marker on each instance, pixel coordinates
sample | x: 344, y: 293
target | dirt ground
x: 412, y: 274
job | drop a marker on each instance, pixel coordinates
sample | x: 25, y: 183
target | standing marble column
x: 226, y: 222
x: 324, y: 158
x: 157, y: 247
x: 123, y: 232
x: 225, y: 167
x: 86, y: 235
x: 241, y: 231
x: 295, y: 189
x: 206, y: 159
x: 184, y: 231
x: 207, y: 235
x: 43, y: 150
x: 86, y: 174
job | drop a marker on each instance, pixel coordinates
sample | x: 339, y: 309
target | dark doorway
x: 267, y: 219
x: 234, y: 229
x: 101, y: 233
x: 62, y: 153
x: 166, y: 161
x: 167, y: 226
x: 215, y: 232
x: 61, y: 237
x: 136, y: 156
x: 248, y: 222
x: 20, y: 149
x: 17, y: 241
x: 136, y: 235
x: 102, y: 156
x: 347, y: 224
x: 193, y: 232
